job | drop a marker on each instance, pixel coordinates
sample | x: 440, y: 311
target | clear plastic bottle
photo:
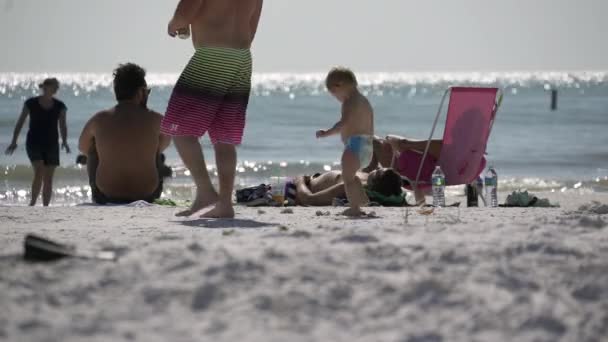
x: 438, y: 182
x: 491, y: 185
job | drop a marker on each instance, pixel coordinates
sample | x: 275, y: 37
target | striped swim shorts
x: 211, y: 95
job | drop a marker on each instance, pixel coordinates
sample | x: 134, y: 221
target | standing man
x: 212, y: 93
x: 47, y: 114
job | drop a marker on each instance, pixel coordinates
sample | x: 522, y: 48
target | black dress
x: 42, y: 142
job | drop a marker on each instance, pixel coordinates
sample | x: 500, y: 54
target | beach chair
x: 470, y: 116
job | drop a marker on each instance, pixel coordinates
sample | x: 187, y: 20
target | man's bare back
x: 128, y: 140
x: 219, y: 23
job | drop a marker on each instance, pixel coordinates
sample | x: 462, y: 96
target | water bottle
x: 438, y: 182
x: 472, y: 195
x: 491, y: 185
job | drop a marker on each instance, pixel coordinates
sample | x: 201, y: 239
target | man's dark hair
x: 128, y: 79
x: 387, y: 182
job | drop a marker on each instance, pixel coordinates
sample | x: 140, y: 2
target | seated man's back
x: 124, y: 143
x: 127, y: 144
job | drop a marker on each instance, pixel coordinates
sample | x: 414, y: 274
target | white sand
x: 458, y: 275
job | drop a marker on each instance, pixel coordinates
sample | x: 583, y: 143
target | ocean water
x: 530, y: 145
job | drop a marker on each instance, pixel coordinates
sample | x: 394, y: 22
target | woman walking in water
x: 46, y: 114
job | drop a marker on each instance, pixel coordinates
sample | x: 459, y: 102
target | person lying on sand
x: 321, y: 190
x: 123, y: 143
x: 405, y: 155
x: 387, y: 151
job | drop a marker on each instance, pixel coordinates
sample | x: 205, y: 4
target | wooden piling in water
x: 553, y: 99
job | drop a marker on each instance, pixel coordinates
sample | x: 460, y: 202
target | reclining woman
x: 405, y: 155
x: 321, y: 190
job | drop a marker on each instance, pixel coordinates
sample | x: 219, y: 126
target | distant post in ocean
x: 553, y: 99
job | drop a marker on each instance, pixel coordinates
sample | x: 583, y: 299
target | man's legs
x: 38, y: 167
x: 47, y: 184
x: 191, y: 152
x: 225, y: 158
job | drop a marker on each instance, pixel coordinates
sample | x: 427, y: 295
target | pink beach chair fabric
x: 470, y: 116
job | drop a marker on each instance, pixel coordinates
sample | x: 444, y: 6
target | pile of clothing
x: 262, y: 196
x: 524, y: 199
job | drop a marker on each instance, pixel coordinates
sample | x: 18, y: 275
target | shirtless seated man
x: 123, y: 144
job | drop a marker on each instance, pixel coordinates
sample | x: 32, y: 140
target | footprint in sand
x: 430, y: 337
x: 169, y: 238
x: 196, y: 248
x: 548, y: 324
x: 301, y: 234
x: 204, y: 296
x: 33, y: 324
x: 357, y: 238
x: 588, y: 293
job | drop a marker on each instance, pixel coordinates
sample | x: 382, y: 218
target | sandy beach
x: 475, y: 274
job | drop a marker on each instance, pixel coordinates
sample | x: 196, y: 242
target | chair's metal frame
x: 497, y: 103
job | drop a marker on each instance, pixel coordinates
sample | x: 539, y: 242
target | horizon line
x: 561, y: 71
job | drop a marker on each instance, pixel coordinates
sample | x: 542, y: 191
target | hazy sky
x: 311, y: 35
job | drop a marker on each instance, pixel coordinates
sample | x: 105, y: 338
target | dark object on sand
x: 164, y: 171
x: 81, y: 159
x: 41, y: 249
x: 255, y: 195
x: 472, y: 196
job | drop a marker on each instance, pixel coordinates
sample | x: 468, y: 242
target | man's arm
x: 401, y: 144
x: 184, y: 14
x: 321, y: 198
x: 255, y: 19
x: 63, y: 128
x: 373, y: 164
x: 163, y: 140
x: 87, y: 136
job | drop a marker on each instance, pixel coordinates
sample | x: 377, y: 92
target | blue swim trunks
x: 363, y: 147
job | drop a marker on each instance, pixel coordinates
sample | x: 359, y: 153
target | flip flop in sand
x: 40, y: 249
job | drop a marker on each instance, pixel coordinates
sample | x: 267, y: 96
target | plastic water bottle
x: 438, y: 182
x: 491, y: 185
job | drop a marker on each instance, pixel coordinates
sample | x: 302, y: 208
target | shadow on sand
x: 226, y: 223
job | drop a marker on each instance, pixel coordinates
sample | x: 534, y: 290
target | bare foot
x: 200, y: 203
x: 353, y: 212
x: 220, y: 211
